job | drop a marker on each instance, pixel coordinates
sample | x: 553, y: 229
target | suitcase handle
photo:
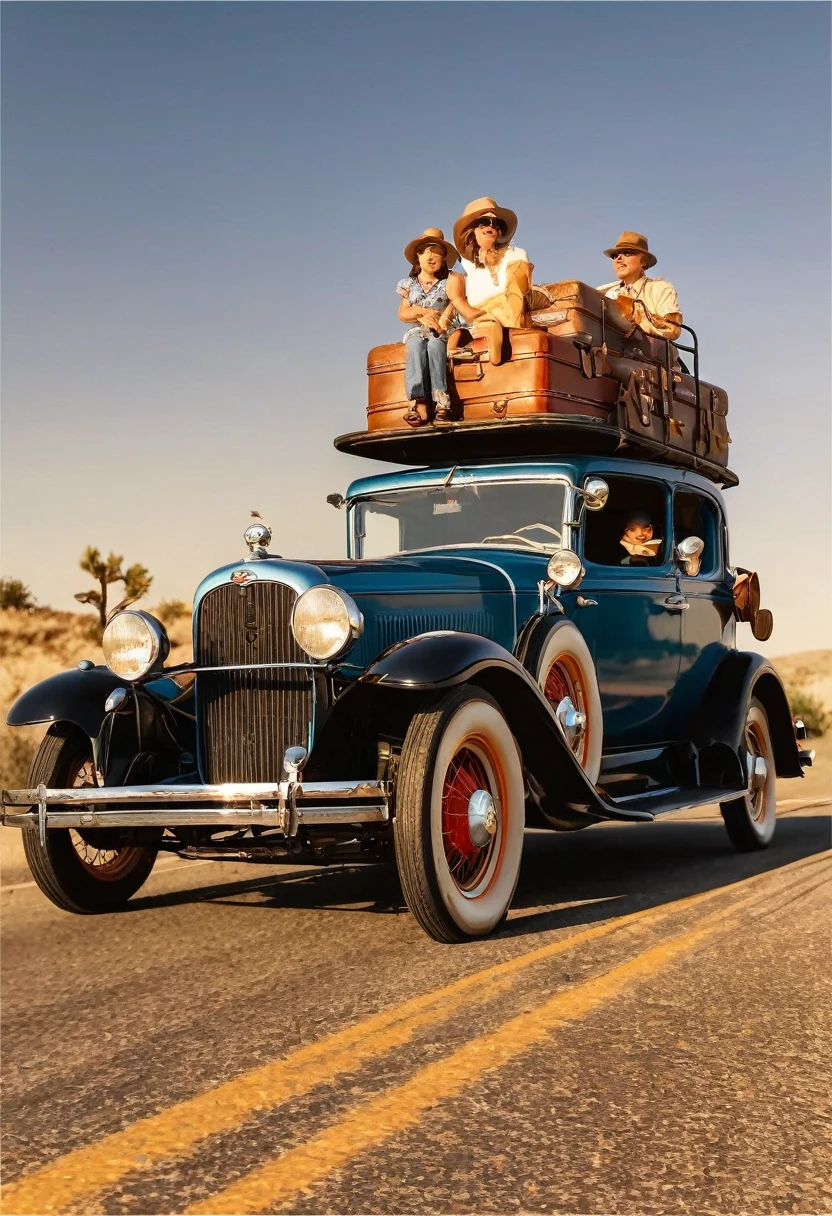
x: 468, y: 372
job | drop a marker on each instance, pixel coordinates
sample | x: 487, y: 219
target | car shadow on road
x: 567, y: 879
x: 615, y: 870
x: 338, y: 887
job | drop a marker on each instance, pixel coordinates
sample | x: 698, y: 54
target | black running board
x: 643, y: 808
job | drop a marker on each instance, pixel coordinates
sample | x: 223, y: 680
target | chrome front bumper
x: 286, y: 806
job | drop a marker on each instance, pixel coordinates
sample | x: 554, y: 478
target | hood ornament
x: 258, y: 537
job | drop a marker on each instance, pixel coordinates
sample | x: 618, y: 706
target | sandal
x: 442, y: 407
x: 413, y: 417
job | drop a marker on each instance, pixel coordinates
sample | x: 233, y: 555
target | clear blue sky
x: 204, y: 207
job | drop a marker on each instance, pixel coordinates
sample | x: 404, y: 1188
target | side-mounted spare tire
x: 460, y: 815
x: 566, y: 675
x: 86, y: 870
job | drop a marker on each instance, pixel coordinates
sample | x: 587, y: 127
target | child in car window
x: 642, y: 548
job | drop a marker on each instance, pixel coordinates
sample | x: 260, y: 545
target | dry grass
x: 35, y: 645
x: 810, y: 672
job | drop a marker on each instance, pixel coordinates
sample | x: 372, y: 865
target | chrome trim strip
x: 662, y: 793
x: 229, y: 794
x: 256, y: 667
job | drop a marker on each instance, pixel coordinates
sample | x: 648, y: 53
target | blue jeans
x: 426, y: 365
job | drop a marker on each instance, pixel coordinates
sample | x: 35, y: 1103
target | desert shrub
x: 15, y: 594
x: 170, y: 611
x: 815, y: 716
x: 17, y: 746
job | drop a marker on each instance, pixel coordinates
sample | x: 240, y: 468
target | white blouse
x: 479, y: 283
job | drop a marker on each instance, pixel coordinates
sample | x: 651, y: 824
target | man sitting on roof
x: 651, y: 303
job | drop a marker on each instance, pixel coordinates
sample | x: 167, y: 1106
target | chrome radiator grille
x: 247, y: 719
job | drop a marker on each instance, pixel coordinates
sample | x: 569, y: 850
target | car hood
x: 403, y: 596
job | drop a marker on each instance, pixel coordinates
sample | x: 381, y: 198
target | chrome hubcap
x: 757, y: 773
x: 572, y: 721
x: 482, y: 818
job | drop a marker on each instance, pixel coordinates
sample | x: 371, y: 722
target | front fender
x: 380, y: 705
x: 719, y: 722
x: 436, y: 660
x: 73, y: 696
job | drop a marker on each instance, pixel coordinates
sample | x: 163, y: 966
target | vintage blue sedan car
x: 488, y: 657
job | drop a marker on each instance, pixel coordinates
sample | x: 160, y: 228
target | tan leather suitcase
x: 579, y: 310
x: 544, y: 374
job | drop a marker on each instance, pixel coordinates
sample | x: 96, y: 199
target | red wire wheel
x: 566, y: 679
x: 457, y: 744
x: 466, y: 773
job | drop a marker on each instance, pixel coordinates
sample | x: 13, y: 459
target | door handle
x: 585, y: 603
x: 676, y: 603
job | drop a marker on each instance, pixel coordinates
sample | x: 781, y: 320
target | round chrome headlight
x: 134, y: 642
x: 564, y: 568
x: 326, y: 621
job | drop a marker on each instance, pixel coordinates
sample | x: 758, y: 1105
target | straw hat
x: 475, y: 211
x: 431, y: 236
x: 632, y: 242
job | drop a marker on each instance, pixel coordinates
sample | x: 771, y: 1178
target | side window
x: 695, y: 515
x: 632, y: 528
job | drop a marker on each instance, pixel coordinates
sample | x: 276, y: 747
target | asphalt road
x: 649, y: 1033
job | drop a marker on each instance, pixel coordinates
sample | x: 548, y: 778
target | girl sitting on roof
x: 430, y: 295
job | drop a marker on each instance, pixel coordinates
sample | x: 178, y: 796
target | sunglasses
x: 490, y: 222
x: 625, y: 253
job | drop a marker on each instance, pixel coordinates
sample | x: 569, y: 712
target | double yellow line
x: 179, y: 1131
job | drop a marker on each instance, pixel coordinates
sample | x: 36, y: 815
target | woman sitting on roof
x: 498, y: 275
x: 430, y: 295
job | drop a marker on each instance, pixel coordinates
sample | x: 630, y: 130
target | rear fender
x: 718, y: 726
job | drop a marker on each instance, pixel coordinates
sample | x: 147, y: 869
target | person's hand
x: 628, y: 307
x: 430, y: 319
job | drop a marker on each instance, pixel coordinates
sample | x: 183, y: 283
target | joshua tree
x: 108, y: 570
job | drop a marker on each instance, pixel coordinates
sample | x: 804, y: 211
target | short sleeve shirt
x: 435, y: 298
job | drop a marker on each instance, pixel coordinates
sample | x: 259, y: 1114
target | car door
x: 708, y: 623
x: 630, y: 616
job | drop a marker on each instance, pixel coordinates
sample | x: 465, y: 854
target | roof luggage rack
x: 535, y: 435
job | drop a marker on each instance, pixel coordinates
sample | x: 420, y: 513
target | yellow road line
x: 178, y: 1131
x: 401, y: 1107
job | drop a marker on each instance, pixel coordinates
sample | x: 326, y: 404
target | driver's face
x: 637, y: 534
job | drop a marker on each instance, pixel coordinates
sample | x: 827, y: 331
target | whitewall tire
x: 459, y: 872
x: 751, y: 819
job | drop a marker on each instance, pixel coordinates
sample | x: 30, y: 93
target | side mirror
x: 595, y: 493
x: 336, y: 500
x: 689, y: 554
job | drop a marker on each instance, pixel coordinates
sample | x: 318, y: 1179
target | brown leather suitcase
x: 543, y: 374
x: 578, y: 310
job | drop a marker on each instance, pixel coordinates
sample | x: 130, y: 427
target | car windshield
x: 525, y: 515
